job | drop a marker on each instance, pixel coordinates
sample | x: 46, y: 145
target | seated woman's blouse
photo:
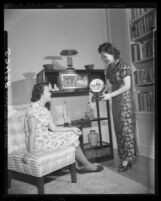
x: 46, y: 139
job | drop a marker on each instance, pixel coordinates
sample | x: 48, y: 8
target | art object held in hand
x: 96, y: 86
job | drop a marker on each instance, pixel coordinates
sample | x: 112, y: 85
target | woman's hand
x: 25, y: 157
x: 77, y: 130
x: 107, y: 96
x: 63, y: 129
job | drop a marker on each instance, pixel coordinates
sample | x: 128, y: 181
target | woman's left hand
x: 107, y: 96
x: 77, y: 130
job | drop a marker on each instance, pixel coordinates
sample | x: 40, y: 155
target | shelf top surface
x: 76, y: 70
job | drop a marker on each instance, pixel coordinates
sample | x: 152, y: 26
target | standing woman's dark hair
x: 37, y: 91
x: 110, y: 49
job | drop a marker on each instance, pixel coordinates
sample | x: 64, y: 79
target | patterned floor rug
x: 105, y: 182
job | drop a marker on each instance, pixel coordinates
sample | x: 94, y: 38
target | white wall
x: 118, y: 34
x: 36, y: 33
x: 145, y: 134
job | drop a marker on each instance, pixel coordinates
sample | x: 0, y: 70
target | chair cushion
x: 41, y: 163
x: 16, y: 132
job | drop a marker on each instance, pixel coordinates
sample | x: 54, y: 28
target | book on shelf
x: 144, y: 76
x: 133, y: 52
x: 151, y: 21
x: 132, y: 14
x: 144, y: 21
x: 152, y: 101
x: 132, y: 31
x: 135, y: 12
x: 142, y: 26
x: 137, y: 97
x: 151, y: 74
x: 136, y: 30
x: 142, y: 50
x: 144, y: 101
x: 149, y: 48
x: 138, y: 77
x: 155, y: 21
x: 136, y: 51
x: 149, y: 103
x: 135, y: 77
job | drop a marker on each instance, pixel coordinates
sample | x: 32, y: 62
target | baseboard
x: 146, y: 151
x: 141, y: 151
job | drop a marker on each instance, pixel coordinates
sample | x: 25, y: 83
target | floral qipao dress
x: 45, y: 139
x: 123, y: 111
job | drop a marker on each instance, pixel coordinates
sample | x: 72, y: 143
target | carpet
x: 105, y: 182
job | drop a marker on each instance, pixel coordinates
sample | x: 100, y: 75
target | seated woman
x: 40, y: 138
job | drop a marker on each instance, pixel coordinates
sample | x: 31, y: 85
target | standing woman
x: 118, y: 76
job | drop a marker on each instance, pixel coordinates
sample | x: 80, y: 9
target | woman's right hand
x: 77, y: 130
x: 24, y: 159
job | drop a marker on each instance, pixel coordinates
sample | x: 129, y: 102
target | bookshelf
x: 142, y: 40
x: 142, y: 27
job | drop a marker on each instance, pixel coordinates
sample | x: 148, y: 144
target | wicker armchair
x: 40, y: 163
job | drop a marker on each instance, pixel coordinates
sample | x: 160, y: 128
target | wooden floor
x: 143, y: 170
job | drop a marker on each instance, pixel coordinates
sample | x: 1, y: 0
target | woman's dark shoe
x: 84, y: 170
x: 125, y: 168
x: 120, y: 166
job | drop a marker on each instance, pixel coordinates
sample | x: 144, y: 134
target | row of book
x: 142, y: 50
x: 143, y: 26
x: 143, y: 76
x: 135, y: 12
x: 145, y: 101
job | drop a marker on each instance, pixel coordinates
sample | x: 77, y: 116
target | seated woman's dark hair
x: 37, y: 91
x: 109, y: 49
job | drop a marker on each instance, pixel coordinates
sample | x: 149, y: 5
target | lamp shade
x: 53, y: 57
x: 68, y: 52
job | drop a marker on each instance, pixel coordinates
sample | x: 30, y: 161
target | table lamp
x: 69, y: 53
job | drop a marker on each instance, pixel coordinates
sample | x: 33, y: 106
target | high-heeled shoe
x: 123, y: 168
x: 120, y: 166
x: 84, y: 170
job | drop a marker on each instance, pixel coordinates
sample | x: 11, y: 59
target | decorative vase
x: 93, y: 138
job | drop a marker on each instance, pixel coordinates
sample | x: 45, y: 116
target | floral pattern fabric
x: 45, y: 139
x: 123, y: 111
